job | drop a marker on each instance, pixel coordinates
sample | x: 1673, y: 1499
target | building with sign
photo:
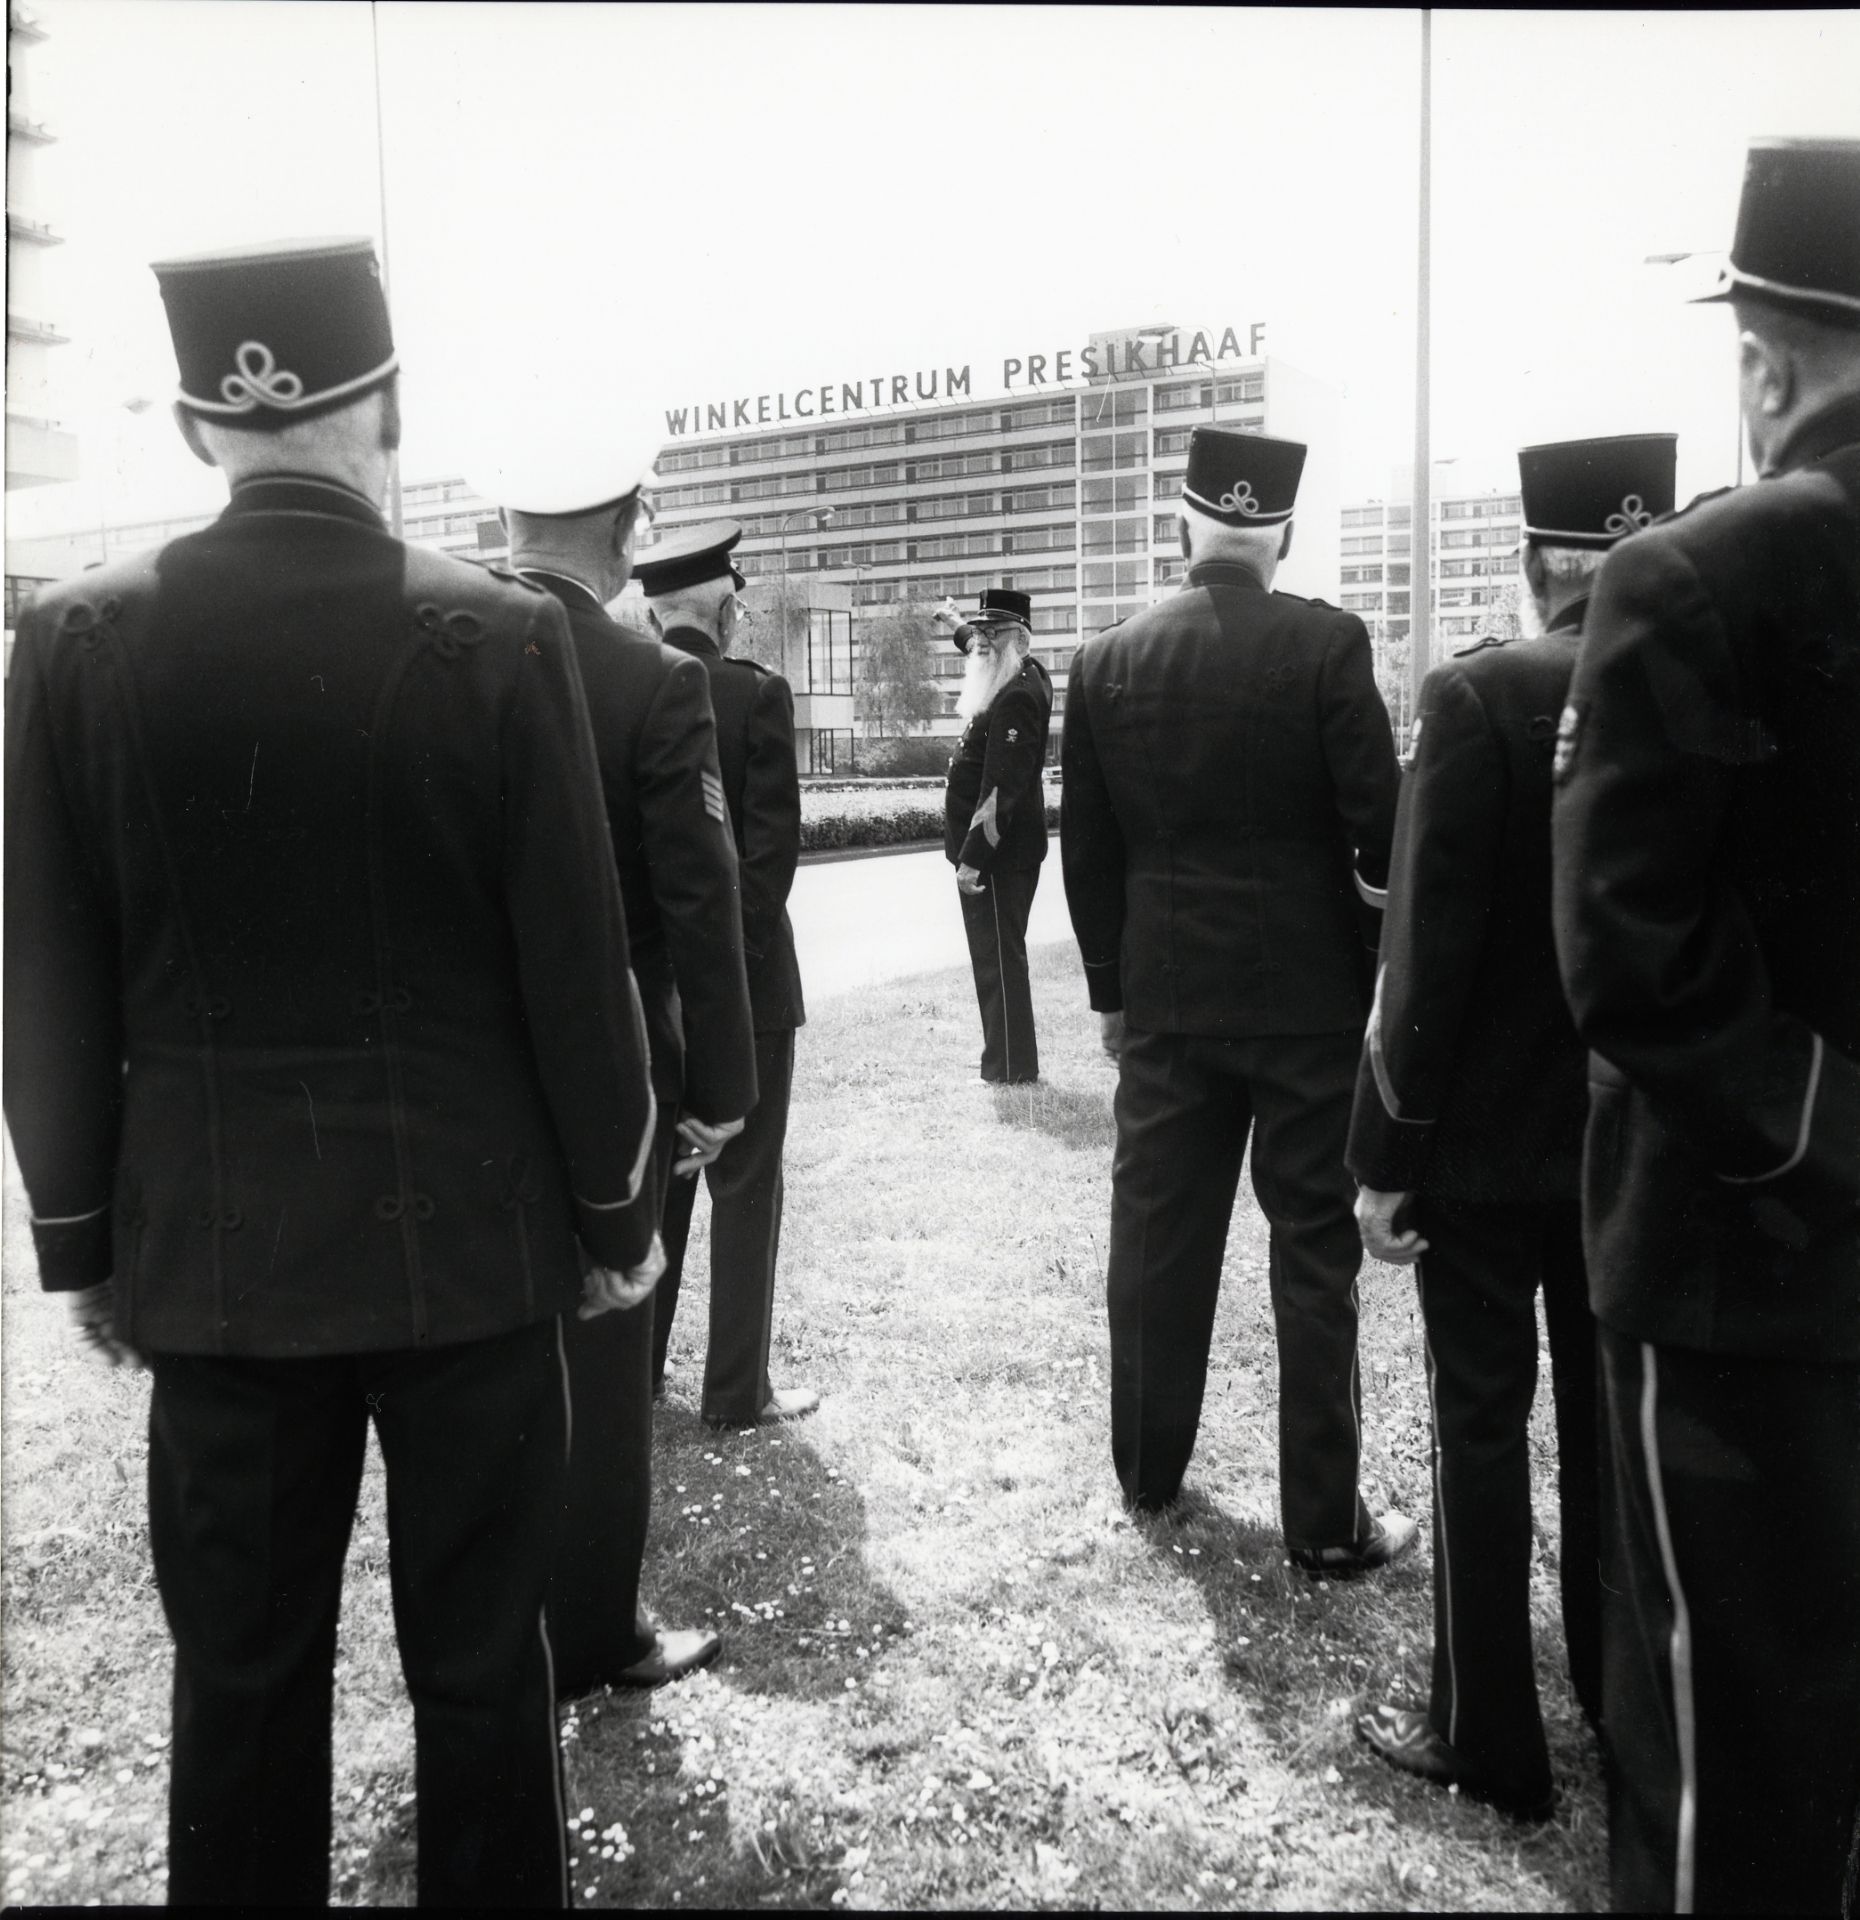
x: 39, y: 452
x: 1064, y: 490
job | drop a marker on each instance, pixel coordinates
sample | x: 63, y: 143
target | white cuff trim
x: 68, y: 1219
x: 1802, y: 1135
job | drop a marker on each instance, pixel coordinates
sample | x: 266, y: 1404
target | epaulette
x: 1697, y: 500
x: 1479, y: 646
x: 515, y: 579
x: 754, y: 666
x: 1306, y: 600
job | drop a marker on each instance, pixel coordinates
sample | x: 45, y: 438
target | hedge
x: 902, y: 823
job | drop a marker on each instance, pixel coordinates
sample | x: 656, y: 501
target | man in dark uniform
x: 325, y: 1067
x: 1707, y: 871
x: 691, y: 582
x: 571, y: 507
x: 1470, y: 1102
x: 1227, y: 806
x: 994, y: 818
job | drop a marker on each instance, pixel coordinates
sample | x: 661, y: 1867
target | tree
x: 1501, y: 611
x: 896, y: 690
x: 777, y: 636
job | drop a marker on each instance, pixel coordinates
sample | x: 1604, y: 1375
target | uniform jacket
x: 1473, y: 1084
x: 994, y: 808
x: 762, y: 788
x: 320, y: 1033
x: 1227, y: 764
x: 1708, y: 913
x: 657, y: 741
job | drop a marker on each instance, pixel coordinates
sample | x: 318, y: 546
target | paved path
x: 861, y: 921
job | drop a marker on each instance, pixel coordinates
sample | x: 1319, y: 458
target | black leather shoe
x: 1404, y: 1738
x: 1386, y: 1541
x: 676, y: 1652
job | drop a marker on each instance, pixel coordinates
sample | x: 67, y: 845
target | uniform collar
x: 692, y: 640
x: 303, y: 493
x: 563, y: 585
x: 1224, y: 573
x: 1837, y: 425
x: 1571, y: 617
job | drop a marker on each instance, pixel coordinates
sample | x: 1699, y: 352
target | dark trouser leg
x: 254, y: 1466
x: 1478, y: 1289
x: 1575, y: 1383
x: 1181, y: 1131
x: 1731, y: 1658
x: 745, y: 1238
x: 996, y: 924
x: 1301, y: 1087
x: 1013, y: 894
x: 668, y: 1074
x: 475, y: 1438
x: 597, y: 1623
x: 596, y: 1626
x: 674, y: 1232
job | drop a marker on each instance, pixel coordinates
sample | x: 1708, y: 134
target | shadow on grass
x: 756, y: 1534
x: 1308, y: 1654
x: 1074, y: 1116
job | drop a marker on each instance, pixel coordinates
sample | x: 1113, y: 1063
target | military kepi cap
x: 555, y: 455
x: 1591, y: 493
x: 1242, y: 479
x: 1798, y: 229
x: 270, y: 334
x: 687, y: 557
x: 1002, y: 606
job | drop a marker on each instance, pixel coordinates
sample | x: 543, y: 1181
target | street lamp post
x: 1673, y: 260
x: 136, y: 404
x: 819, y: 516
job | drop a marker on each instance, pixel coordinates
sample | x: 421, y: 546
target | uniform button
x: 422, y: 1206
x: 232, y: 1220
x: 389, y: 1207
x: 401, y: 1000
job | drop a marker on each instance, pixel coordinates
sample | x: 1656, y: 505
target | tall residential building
x: 38, y: 450
x: 1474, y: 573
x: 899, y: 492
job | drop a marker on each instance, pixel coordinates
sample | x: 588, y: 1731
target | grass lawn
x: 955, y: 1674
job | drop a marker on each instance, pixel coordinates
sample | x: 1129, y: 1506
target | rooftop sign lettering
x: 1108, y: 357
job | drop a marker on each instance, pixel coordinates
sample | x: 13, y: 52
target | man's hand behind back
x: 610, y: 1290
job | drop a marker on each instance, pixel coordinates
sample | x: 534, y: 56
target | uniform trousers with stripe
x: 1731, y: 1629
x: 745, y: 1182
x: 254, y: 1469
x: 1185, y: 1106
x: 598, y: 1624
x: 996, y: 922
x: 1478, y: 1283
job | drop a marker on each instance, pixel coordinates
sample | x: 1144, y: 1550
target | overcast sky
x: 730, y: 200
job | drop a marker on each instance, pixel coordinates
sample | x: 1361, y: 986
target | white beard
x: 1531, y: 622
x: 983, y: 677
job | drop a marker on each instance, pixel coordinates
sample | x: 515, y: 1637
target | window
x: 1116, y: 407
x: 1038, y: 413
x: 829, y: 651
x: 845, y: 438
x: 1057, y: 453
x: 1362, y: 543
x: 1184, y: 393
x: 952, y: 426
x: 1401, y: 516
x: 1114, y: 450
x: 1465, y: 539
x: 1171, y: 570
x: 1054, y: 620
x: 1250, y: 386
x: 1362, y: 516
x: 1168, y: 486
x: 1361, y: 602
x: 1164, y: 526
x: 1355, y: 576
x: 830, y: 749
